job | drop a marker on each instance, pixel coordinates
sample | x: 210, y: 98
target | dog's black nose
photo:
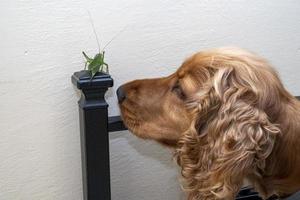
x: 121, y: 94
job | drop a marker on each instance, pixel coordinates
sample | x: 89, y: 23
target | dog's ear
x: 243, y: 135
x: 231, y: 138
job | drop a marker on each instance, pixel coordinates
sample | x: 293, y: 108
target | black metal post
x: 94, y: 134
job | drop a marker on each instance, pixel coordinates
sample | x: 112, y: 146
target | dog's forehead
x: 187, y: 80
x: 185, y: 68
x: 181, y: 72
x: 192, y: 63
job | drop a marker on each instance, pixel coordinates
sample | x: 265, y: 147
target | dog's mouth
x: 129, y: 118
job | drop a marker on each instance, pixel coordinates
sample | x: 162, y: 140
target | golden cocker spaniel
x: 228, y: 117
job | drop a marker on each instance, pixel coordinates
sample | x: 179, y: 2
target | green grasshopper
x: 97, y: 64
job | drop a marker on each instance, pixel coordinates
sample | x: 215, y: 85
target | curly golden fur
x: 228, y: 117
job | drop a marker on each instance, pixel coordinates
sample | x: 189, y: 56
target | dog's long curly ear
x: 219, y: 152
x: 242, y: 132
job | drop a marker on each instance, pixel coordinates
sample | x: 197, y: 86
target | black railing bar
x: 115, y: 123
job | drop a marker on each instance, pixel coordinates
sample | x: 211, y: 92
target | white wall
x: 40, y: 48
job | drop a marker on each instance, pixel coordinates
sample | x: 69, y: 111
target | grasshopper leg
x: 85, y: 65
x: 106, y: 66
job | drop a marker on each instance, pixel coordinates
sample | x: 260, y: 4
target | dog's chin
x: 131, y: 124
x: 138, y: 130
x: 168, y: 143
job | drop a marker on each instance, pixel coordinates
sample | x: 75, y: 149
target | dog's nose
x: 121, y: 94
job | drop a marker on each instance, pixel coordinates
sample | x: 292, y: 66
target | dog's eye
x: 178, y: 90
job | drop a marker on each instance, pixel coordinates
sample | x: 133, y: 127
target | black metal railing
x: 95, y: 126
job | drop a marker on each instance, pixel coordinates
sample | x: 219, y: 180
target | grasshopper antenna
x: 92, y: 23
x: 115, y: 36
